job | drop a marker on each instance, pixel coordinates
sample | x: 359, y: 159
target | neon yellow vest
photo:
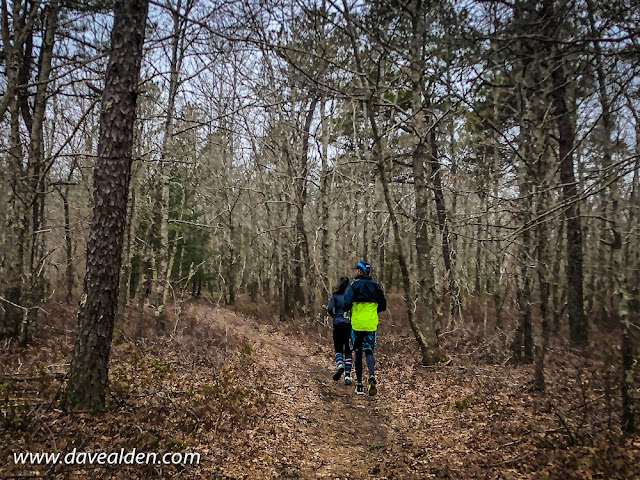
x: 364, y: 317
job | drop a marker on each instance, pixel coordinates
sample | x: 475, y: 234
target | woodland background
x: 483, y: 156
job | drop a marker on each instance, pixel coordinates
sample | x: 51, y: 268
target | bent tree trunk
x: 88, y: 377
x: 428, y: 345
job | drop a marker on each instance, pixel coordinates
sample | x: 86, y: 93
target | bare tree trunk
x: 163, y: 248
x: 628, y: 362
x: 498, y: 303
x: 496, y: 291
x: 70, y: 280
x: 425, y: 270
x: 563, y: 107
x: 88, y: 378
x: 428, y: 345
x: 301, y: 251
x: 15, y: 225
x: 37, y: 173
x: 123, y: 288
x: 603, y: 271
x: 325, y: 189
x: 625, y: 306
x: 438, y: 195
x: 556, y: 294
x: 629, y: 307
x: 174, y: 247
x: 231, y: 262
x: 426, y: 342
x: 146, y: 276
x: 478, y: 266
x: 496, y: 294
x: 523, y: 341
x: 141, y: 300
x: 542, y: 268
x: 17, y: 44
x: 177, y: 54
x: 632, y: 249
x: 70, y: 276
x: 287, y: 290
x: 381, y: 235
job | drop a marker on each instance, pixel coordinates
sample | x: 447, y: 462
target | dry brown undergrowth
x: 254, y: 397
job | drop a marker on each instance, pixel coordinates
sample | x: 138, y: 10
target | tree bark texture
x: 164, y: 271
x: 88, y: 378
x: 325, y: 186
x: 123, y: 288
x: 438, y: 196
x: 425, y: 271
x: 25, y: 203
x: 563, y: 108
x: 566, y: 138
x: 428, y: 346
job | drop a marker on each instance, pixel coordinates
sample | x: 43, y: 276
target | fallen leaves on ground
x: 254, y: 396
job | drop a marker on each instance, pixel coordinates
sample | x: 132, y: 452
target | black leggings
x: 341, y: 344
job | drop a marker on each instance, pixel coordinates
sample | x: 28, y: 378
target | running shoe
x: 373, y: 389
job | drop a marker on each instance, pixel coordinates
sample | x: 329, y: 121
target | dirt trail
x: 256, y: 399
x: 454, y: 422
x: 325, y: 429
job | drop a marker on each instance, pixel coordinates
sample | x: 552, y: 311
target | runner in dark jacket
x: 341, y: 332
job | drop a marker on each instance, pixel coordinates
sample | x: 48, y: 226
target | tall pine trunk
x: 563, y: 105
x: 88, y: 378
x: 566, y: 138
x: 542, y: 264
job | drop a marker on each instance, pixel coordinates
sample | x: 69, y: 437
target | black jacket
x: 336, y: 309
x: 365, y: 290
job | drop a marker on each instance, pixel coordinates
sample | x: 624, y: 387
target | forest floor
x: 255, y: 398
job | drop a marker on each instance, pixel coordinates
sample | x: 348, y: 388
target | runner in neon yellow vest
x: 365, y: 299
